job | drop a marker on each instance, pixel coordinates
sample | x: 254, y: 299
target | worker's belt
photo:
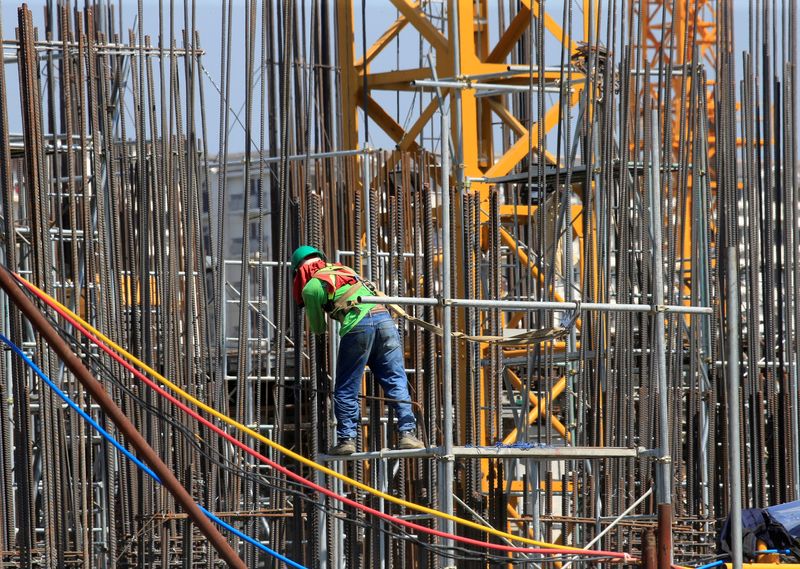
x: 378, y: 309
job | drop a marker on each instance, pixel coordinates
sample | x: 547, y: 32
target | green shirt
x: 315, y: 296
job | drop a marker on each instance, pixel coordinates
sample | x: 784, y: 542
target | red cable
x: 297, y: 477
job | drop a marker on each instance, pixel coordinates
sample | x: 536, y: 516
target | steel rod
x: 533, y: 452
x: 255, y: 162
x: 613, y: 524
x: 663, y: 466
x: 538, y: 305
x: 447, y: 327
x: 128, y: 430
x: 467, y: 84
x: 734, y: 442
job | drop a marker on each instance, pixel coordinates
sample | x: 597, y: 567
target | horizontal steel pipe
x: 433, y: 84
x: 544, y: 453
x: 537, y: 305
x: 293, y: 158
x: 537, y: 453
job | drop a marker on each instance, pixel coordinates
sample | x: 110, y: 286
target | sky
x: 208, y: 24
x: 379, y: 14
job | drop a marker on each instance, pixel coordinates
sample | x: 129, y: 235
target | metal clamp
x: 654, y: 454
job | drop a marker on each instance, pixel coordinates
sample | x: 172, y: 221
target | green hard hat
x: 304, y: 252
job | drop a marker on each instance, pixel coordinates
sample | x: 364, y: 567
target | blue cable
x: 80, y: 411
x: 136, y: 461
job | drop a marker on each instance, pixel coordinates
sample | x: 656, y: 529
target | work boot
x: 408, y: 440
x: 343, y: 448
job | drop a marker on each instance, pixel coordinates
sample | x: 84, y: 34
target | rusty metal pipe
x: 664, y: 559
x: 649, y: 554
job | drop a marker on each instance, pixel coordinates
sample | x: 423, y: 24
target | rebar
x: 604, y: 163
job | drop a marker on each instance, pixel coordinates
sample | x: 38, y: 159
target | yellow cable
x: 290, y: 453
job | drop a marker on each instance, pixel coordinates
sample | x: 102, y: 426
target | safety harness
x: 338, y: 308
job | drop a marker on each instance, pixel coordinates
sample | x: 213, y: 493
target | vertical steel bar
x: 446, y: 492
x: 734, y: 452
x: 95, y: 388
x: 663, y: 489
x: 11, y: 325
x: 663, y: 467
x: 365, y: 189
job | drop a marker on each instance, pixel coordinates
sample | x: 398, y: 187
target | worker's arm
x: 314, y: 297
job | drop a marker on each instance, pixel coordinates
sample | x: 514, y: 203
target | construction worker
x: 368, y: 337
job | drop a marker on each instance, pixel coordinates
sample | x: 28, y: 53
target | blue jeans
x: 374, y: 341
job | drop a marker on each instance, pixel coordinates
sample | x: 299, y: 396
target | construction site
x: 578, y: 222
